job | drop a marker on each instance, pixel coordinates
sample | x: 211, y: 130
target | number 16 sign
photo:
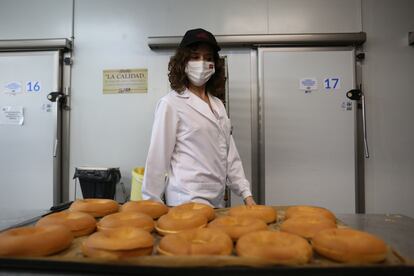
x: 33, y: 86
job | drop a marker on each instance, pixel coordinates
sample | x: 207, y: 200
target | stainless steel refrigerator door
x: 308, y: 127
x: 27, y: 166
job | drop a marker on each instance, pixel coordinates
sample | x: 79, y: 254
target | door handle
x: 56, y: 97
x: 364, y: 127
x: 55, y: 147
x: 358, y: 95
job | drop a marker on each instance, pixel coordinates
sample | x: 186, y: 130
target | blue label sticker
x: 308, y: 84
x: 13, y: 87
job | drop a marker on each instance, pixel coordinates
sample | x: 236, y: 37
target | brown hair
x: 178, y: 78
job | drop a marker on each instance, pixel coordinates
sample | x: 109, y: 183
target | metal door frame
x: 63, y: 48
x: 252, y: 54
x: 258, y: 139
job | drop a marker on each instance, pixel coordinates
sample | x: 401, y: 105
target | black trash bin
x: 98, y: 182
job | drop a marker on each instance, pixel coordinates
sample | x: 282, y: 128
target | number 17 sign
x: 332, y: 83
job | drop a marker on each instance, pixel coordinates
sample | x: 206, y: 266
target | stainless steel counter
x: 9, y: 218
x: 396, y: 230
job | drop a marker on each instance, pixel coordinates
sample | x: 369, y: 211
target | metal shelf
x: 35, y: 44
x: 252, y: 41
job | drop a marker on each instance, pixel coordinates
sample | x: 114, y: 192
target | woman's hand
x: 249, y: 201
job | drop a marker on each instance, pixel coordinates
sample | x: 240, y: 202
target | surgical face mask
x: 199, y: 71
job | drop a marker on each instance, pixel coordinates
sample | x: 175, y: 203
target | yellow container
x: 136, y: 185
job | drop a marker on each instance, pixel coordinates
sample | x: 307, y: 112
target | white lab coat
x: 197, y: 151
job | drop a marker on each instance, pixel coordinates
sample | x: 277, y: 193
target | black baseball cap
x: 199, y: 35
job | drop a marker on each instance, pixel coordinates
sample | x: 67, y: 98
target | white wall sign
x: 308, y: 84
x: 11, y: 115
x: 125, y: 81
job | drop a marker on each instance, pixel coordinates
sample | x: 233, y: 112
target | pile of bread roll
x: 193, y: 229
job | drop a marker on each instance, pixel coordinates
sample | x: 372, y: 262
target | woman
x: 191, y: 137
